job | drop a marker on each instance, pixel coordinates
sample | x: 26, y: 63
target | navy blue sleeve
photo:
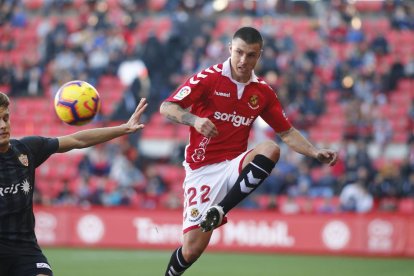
x: 41, y: 147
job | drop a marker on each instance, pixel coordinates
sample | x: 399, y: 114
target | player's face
x: 4, y: 129
x: 243, y: 59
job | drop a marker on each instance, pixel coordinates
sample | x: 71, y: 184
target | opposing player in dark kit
x: 20, y: 254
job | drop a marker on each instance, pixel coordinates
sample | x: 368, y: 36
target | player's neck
x: 4, y: 148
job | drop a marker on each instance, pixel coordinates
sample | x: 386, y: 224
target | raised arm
x: 295, y: 140
x: 177, y: 114
x: 90, y: 137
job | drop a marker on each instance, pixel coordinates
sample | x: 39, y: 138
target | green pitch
x: 88, y: 262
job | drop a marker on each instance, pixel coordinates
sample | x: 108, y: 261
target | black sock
x: 177, y: 264
x: 249, y: 179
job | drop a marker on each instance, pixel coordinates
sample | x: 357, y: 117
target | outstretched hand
x: 327, y: 156
x: 133, y: 123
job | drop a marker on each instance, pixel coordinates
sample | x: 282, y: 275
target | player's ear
x: 230, y: 48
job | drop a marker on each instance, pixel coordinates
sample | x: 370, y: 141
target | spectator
x: 304, y: 180
x: 386, y: 182
x: 97, y: 161
x: 325, y: 186
x: 289, y: 206
x: 7, y: 39
x: 400, y: 20
x: 19, y: 82
x: 407, y: 187
x: 355, y: 35
x: 126, y: 173
x: 355, y: 198
x: 395, y: 74
x: 6, y: 72
x: 327, y: 206
x: 19, y: 17
x: 66, y: 195
x: 383, y: 131
x: 409, y: 67
x: 379, y: 44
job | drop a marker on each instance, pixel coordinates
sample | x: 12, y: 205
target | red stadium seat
x: 406, y: 205
x: 368, y: 6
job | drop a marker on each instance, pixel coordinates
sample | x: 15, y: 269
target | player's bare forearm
x: 177, y: 114
x: 295, y: 140
x: 90, y: 137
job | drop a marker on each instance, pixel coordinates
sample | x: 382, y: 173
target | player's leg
x: 256, y: 166
x: 203, y: 188
x: 194, y: 244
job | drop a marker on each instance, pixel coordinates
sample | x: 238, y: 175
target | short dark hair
x: 4, y: 100
x: 250, y: 35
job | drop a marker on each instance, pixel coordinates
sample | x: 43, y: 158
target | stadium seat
x: 406, y: 205
x: 33, y: 4
x: 368, y: 6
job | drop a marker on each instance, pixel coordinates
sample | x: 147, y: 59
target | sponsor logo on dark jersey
x: 43, y: 265
x: 15, y: 188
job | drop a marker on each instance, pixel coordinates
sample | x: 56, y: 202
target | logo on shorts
x: 43, y: 265
x: 194, y: 214
x: 254, y: 102
x: 24, y: 160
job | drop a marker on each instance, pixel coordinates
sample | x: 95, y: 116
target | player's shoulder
x: 206, y: 74
x: 30, y: 139
x: 37, y: 142
x: 263, y: 85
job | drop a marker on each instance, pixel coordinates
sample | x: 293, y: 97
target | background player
x: 20, y: 255
x: 220, y: 104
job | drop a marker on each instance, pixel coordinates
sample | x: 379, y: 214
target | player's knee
x: 269, y: 149
x: 192, y: 253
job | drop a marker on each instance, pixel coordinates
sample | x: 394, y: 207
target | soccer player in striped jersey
x: 220, y: 105
x: 20, y: 254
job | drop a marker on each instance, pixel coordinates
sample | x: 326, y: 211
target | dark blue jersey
x: 17, y: 180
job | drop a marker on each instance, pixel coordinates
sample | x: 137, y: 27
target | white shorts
x: 207, y: 186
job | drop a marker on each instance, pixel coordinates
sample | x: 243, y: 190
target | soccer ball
x: 77, y: 102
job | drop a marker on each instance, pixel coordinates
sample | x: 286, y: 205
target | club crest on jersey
x: 184, y: 92
x: 253, y: 102
x: 24, y: 160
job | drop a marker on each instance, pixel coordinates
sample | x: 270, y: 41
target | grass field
x: 87, y: 262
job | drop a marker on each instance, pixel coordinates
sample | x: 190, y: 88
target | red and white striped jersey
x: 232, y: 107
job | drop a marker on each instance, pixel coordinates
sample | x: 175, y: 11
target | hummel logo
x: 222, y: 94
x: 247, y: 186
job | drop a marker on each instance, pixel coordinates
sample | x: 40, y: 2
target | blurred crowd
x: 100, y: 38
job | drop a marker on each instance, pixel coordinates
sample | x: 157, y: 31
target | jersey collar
x: 227, y: 73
